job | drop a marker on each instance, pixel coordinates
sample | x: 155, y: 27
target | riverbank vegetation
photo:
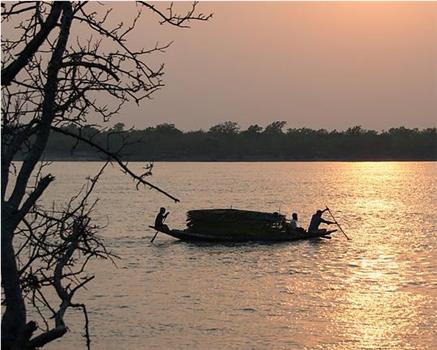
x: 228, y: 142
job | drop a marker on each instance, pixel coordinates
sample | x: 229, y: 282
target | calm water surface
x: 377, y: 291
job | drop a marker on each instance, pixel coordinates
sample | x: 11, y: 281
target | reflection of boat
x: 232, y: 225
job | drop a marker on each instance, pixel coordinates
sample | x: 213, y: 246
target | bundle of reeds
x: 234, y: 222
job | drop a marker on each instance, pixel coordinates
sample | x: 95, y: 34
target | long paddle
x: 333, y: 218
x: 156, y: 234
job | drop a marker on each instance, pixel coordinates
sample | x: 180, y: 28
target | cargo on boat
x: 234, y: 225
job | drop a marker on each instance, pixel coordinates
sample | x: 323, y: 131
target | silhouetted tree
x: 118, y: 127
x: 226, y: 128
x: 51, y: 82
x: 166, y: 142
x: 275, y: 127
x: 253, y: 130
x: 168, y: 129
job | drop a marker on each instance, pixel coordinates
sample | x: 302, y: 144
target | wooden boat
x: 233, y: 225
x: 189, y: 236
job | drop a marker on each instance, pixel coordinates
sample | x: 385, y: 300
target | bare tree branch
x: 176, y: 19
x: 114, y: 157
x: 52, y: 80
x: 10, y: 71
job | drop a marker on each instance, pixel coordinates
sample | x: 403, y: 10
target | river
x: 377, y: 291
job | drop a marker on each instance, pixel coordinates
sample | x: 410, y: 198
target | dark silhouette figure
x: 159, y: 221
x: 294, y: 224
x: 317, y: 219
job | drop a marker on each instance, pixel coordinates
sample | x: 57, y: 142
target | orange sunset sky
x: 314, y: 64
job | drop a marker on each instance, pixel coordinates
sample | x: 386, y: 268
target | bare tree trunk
x: 14, y: 318
x: 43, y: 249
x: 47, y: 114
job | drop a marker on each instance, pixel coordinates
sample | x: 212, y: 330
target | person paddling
x: 317, y: 219
x: 159, y: 221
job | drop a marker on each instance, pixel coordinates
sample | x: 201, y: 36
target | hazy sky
x: 319, y: 65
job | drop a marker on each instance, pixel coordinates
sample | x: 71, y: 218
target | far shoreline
x: 267, y: 160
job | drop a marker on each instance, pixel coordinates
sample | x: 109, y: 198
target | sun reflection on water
x: 378, y: 291
x: 375, y: 308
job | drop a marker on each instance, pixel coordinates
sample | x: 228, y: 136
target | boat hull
x: 189, y: 236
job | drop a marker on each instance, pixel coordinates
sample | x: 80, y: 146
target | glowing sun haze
x: 314, y: 64
x: 330, y: 65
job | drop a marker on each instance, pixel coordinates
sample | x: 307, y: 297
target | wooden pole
x: 154, y: 237
x: 329, y: 210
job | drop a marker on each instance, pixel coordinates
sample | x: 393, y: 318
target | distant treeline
x: 227, y: 142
